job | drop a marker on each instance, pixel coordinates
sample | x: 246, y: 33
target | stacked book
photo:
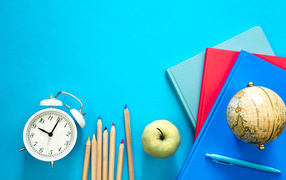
x: 205, y: 84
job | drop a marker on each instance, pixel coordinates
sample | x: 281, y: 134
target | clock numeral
x: 35, y: 143
x: 50, y: 117
x: 67, y: 143
x: 59, y: 119
x: 34, y: 126
x: 41, y: 150
x: 65, y: 125
x: 42, y: 120
x: 68, y: 134
x: 59, y: 149
x: 51, y: 152
x: 32, y: 135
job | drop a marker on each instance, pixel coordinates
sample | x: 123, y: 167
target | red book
x: 218, y: 64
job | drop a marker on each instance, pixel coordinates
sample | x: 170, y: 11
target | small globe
x: 256, y: 115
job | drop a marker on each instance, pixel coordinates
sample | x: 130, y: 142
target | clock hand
x: 51, y: 133
x: 48, y: 140
x: 47, y: 133
x: 43, y: 130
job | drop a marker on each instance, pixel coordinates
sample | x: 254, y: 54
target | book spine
x: 200, y: 123
x: 181, y: 97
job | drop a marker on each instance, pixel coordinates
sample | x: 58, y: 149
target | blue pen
x: 232, y: 161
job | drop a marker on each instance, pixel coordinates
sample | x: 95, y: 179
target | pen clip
x: 220, y: 162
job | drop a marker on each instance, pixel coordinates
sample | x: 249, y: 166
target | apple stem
x: 162, y: 135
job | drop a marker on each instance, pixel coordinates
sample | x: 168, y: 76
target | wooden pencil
x: 111, y: 152
x: 128, y: 144
x: 93, y: 159
x: 86, y: 160
x: 105, y: 155
x: 120, y: 161
x: 99, y: 149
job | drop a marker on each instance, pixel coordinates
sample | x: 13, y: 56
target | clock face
x: 50, y: 134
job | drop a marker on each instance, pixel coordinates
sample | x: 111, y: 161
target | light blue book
x: 186, y: 77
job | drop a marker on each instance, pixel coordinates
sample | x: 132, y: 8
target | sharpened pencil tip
x: 105, y: 128
x: 99, y: 117
x: 113, y: 124
x: 93, y: 135
x: 88, y: 138
x: 122, y: 141
x: 125, y: 106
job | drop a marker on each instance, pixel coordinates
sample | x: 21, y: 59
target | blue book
x: 186, y: 77
x: 217, y: 138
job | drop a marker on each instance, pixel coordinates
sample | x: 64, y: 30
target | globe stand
x: 250, y: 84
x: 261, y: 146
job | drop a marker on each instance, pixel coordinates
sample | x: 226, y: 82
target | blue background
x: 111, y: 53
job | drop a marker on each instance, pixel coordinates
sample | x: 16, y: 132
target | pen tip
x: 99, y: 117
x: 122, y: 141
x: 125, y: 106
x: 113, y: 124
x: 208, y: 155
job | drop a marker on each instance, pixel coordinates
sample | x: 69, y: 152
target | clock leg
x: 22, y: 149
x: 52, y: 164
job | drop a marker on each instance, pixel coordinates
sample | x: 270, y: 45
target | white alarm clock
x: 50, y: 134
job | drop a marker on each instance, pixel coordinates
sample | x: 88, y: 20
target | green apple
x: 161, y: 139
